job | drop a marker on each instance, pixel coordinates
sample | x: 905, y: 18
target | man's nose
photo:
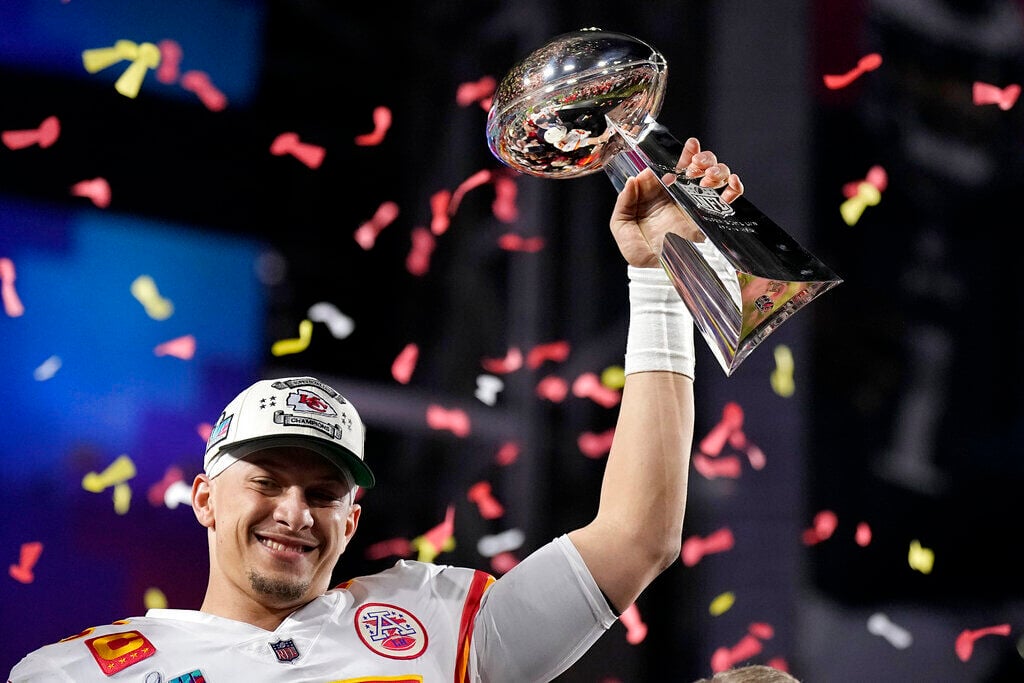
x: 292, y: 509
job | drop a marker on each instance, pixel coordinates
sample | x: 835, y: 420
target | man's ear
x: 202, y: 501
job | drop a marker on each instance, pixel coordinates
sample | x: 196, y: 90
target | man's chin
x: 278, y: 589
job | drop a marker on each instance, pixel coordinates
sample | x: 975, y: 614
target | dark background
x: 907, y: 412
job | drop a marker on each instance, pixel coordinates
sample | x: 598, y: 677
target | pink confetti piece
x: 44, y: 136
x: 28, y: 557
x: 552, y: 388
x: 716, y: 438
x: 512, y: 361
x: 170, y: 60
x: 876, y: 176
x: 488, y: 506
x: 204, y: 429
x: 965, y: 641
x: 868, y: 62
x: 439, y: 537
x: 863, y: 535
x: 726, y: 466
x: 502, y: 563
x: 12, y: 302
x: 405, y: 363
x: 367, y: 233
x: 156, y: 492
x: 456, y: 421
x: 595, y: 445
x: 755, y: 456
x: 440, y: 220
x: 556, y: 351
x: 392, y: 547
x: 96, y: 189
x: 418, y: 260
x: 825, y: 523
x: 471, y: 183
x: 588, y: 385
x: 183, y: 347
x: 725, y: 657
x: 504, y: 206
x: 986, y: 93
x: 696, y: 548
x: 199, y: 84
x: 507, y: 454
x: 476, y: 91
x: 289, y: 143
x: 636, y: 629
x: 513, y: 242
x: 381, y: 125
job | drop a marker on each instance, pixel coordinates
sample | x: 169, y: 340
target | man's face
x: 280, y: 519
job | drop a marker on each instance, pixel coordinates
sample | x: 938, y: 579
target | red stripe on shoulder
x: 479, y: 585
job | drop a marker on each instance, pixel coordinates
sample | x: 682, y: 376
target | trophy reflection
x: 587, y: 101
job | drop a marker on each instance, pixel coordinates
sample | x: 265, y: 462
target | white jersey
x: 413, y: 623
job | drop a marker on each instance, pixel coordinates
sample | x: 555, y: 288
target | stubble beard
x: 287, y: 591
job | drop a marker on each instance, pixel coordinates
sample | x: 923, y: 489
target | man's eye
x: 323, y: 496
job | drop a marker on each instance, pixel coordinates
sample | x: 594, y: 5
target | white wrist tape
x: 660, y: 333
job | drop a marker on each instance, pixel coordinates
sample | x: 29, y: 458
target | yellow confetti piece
x: 722, y: 603
x: 782, y: 376
x: 867, y: 195
x: 143, y: 56
x: 288, y: 346
x: 122, y: 498
x: 427, y: 551
x: 118, y: 472
x: 144, y: 290
x: 920, y: 558
x: 154, y: 598
x: 613, y: 377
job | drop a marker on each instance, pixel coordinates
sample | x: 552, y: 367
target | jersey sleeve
x: 539, y: 618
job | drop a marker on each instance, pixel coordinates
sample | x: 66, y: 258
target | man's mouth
x: 284, y: 547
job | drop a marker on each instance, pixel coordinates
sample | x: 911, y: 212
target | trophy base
x: 747, y: 277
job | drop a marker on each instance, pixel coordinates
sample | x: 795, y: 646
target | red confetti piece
x: 472, y: 182
x: 727, y: 466
x: 761, y: 630
x: 732, y: 420
x: 502, y: 563
x: 289, y: 143
x: 696, y: 548
x: 504, y: 206
x: 636, y: 629
x: 588, y: 385
x: 199, y: 84
x: 418, y: 260
x: 170, y: 60
x: 404, y: 364
x: 97, y: 189
x: 381, y: 125
x: 487, y: 504
x: 182, y: 347
x: 825, y: 523
x: 755, y: 455
x: 557, y: 351
x: 512, y: 361
x: 366, y: 234
x: 476, y: 91
x: 204, y: 429
x: 44, y: 136
x: 507, y: 454
x: 868, y: 62
x: 156, y: 492
x: 439, y: 536
x: 552, y: 388
x: 513, y: 242
x: 27, y: 560
x: 965, y: 641
x: 986, y: 93
x: 439, y: 220
x: 12, y: 302
x: 456, y: 421
x: 595, y: 445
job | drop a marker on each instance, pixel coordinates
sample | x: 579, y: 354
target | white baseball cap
x: 291, y: 411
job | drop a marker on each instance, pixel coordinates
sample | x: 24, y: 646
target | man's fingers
x: 733, y: 189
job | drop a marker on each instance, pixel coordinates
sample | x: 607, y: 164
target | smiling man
x: 277, y: 498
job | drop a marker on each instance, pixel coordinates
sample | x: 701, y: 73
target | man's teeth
x: 274, y: 545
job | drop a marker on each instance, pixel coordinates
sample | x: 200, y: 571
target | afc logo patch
x: 390, y: 631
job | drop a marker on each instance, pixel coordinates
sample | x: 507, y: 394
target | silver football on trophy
x: 548, y: 114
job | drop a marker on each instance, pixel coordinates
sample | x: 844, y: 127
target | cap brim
x: 340, y: 457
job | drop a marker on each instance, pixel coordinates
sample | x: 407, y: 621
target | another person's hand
x: 644, y: 211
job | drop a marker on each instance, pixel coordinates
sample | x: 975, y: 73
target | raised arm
x: 637, y: 531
